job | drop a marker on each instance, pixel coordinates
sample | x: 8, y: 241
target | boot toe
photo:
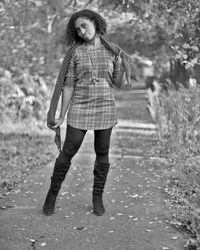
x: 48, y: 207
x: 99, y: 212
x: 48, y: 211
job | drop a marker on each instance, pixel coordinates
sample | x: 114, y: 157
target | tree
x: 162, y: 30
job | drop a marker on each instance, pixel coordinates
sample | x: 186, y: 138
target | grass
x: 24, y: 147
x: 179, y: 133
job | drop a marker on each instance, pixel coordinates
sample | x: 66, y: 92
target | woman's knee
x: 67, y: 152
x: 102, y: 149
x: 102, y: 154
x: 70, y: 149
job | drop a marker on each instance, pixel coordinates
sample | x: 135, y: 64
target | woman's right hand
x: 58, y: 122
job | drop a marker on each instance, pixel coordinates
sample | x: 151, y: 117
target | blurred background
x: 162, y: 37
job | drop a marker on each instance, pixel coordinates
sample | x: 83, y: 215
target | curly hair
x: 97, y: 19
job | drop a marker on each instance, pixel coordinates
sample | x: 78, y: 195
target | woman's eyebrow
x: 80, y: 25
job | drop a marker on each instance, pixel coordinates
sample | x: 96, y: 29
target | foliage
x: 31, y: 37
x: 179, y: 132
x: 30, y: 33
x: 20, y: 154
x: 22, y: 97
x: 161, y: 30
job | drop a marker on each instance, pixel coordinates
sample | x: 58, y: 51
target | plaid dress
x: 93, y: 103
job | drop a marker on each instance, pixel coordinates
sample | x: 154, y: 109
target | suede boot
x: 57, y: 178
x: 100, y: 176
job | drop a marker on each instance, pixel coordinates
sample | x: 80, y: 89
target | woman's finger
x: 56, y: 125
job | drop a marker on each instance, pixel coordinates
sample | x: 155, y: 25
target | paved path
x: 135, y: 217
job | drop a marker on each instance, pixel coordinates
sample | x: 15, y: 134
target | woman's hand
x: 58, y: 122
x: 118, y: 61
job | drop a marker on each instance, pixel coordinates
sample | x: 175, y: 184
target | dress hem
x: 100, y: 128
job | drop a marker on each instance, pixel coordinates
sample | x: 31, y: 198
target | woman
x: 91, y: 68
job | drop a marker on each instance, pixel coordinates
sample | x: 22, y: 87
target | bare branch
x: 88, y: 3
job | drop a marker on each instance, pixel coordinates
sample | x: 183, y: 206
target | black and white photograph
x: 100, y: 125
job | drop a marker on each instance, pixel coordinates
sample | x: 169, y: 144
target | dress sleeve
x: 70, y: 75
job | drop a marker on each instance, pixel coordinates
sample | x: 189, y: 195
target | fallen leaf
x: 134, y: 196
x: 64, y: 193
x: 80, y: 228
x: 32, y: 240
x: 43, y: 244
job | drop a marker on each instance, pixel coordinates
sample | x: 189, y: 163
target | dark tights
x: 74, y: 138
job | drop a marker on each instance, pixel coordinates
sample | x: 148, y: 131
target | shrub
x: 22, y: 97
x: 178, y: 120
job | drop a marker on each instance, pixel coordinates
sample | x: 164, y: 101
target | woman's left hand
x: 119, y: 60
x: 58, y: 122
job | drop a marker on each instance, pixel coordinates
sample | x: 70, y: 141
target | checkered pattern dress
x: 93, y: 104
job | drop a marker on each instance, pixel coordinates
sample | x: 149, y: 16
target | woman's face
x: 85, y: 28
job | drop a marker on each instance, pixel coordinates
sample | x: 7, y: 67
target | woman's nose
x: 82, y: 31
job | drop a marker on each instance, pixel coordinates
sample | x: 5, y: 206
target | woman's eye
x: 83, y: 26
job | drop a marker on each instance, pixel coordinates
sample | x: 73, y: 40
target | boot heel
x: 98, y: 206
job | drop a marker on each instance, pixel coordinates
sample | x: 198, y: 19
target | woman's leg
x: 73, y: 141
x: 102, y: 145
x: 101, y: 168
